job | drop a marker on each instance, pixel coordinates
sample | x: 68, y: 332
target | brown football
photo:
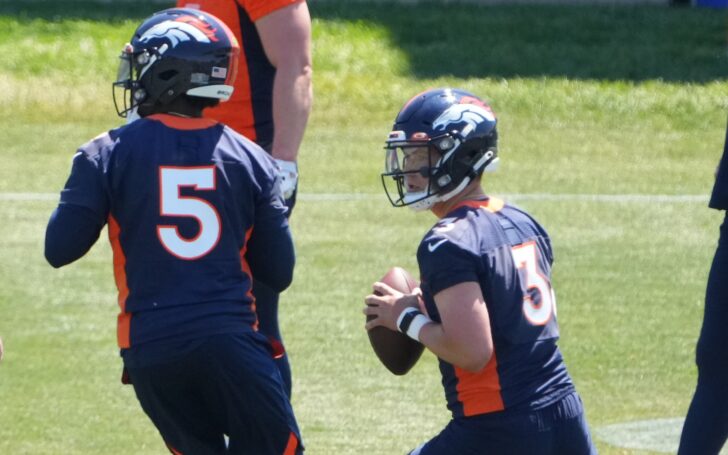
x: 395, y: 350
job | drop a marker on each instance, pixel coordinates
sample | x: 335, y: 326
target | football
x: 395, y: 350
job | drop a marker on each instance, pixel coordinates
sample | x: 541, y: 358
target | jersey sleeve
x: 259, y: 8
x: 271, y: 208
x: 444, y: 264
x: 271, y: 237
x: 85, y: 186
x: 82, y: 211
x: 71, y: 232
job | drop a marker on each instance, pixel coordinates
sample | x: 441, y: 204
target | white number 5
x: 538, y: 313
x: 173, y: 204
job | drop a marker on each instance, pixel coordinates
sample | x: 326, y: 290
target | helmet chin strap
x: 458, y: 189
x: 424, y: 202
x: 419, y: 201
x: 132, y: 115
x: 493, y: 165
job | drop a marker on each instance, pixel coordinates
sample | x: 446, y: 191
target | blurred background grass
x: 591, y: 101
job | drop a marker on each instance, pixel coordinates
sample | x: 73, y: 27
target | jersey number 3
x: 172, y: 203
x: 538, y: 301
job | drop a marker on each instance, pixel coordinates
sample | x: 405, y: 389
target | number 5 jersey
x: 193, y: 210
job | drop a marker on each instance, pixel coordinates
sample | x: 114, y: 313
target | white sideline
x: 635, y: 198
x: 658, y: 435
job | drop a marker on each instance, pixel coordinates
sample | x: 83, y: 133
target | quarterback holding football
x: 485, y: 280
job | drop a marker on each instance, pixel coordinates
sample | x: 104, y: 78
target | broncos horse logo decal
x: 471, y: 114
x: 180, y: 31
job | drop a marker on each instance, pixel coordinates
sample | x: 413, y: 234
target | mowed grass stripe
x: 611, y: 121
x: 635, y: 198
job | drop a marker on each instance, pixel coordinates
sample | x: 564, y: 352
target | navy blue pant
x: 559, y: 429
x: 228, y: 385
x: 706, y: 425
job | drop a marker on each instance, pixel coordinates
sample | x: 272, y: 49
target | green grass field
x: 608, y: 118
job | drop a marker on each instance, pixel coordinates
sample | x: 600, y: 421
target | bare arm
x: 464, y: 336
x: 286, y: 38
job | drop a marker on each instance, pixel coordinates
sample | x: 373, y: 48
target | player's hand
x: 386, y: 304
x: 1, y: 349
x: 288, y: 174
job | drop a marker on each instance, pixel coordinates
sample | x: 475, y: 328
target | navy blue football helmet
x: 174, y: 52
x: 458, y: 127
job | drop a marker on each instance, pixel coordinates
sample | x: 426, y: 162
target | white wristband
x: 414, y: 329
x: 411, y: 321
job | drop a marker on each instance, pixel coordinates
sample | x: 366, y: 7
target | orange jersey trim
x: 292, y: 445
x: 480, y: 393
x: 246, y: 270
x: 124, y: 319
x: 183, y: 123
x: 492, y: 204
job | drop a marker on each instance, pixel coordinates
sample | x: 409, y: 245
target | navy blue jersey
x: 181, y: 197
x: 719, y: 198
x: 509, y: 254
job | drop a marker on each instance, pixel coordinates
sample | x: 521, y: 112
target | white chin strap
x: 493, y: 165
x: 132, y: 115
x: 421, y: 200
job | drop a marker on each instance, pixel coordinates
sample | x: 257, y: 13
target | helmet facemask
x: 127, y: 92
x: 451, y: 165
x: 417, y: 160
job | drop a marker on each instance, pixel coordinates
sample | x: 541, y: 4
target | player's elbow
x: 54, y: 252
x: 474, y: 365
x: 53, y: 260
x: 57, y: 257
x: 280, y: 281
x: 476, y: 359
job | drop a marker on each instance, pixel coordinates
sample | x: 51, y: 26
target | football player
x: 706, y: 425
x: 270, y: 105
x: 485, y: 269
x: 194, y: 210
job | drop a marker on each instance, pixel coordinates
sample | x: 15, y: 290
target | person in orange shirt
x: 270, y: 105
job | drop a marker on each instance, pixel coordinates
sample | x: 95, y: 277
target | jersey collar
x: 491, y: 204
x: 183, y: 123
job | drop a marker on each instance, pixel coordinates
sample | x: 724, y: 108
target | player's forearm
x: 468, y: 356
x: 292, y: 100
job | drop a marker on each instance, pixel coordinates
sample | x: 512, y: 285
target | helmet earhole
x: 446, y: 144
x: 139, y: 95
x: 143, y: 58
